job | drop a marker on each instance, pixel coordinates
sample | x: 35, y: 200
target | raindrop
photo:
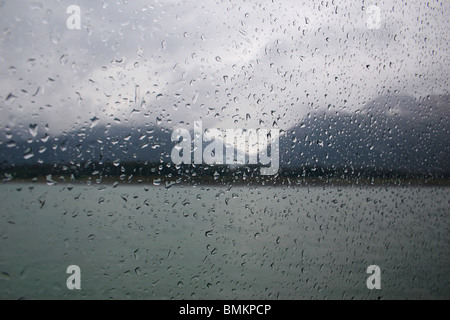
x: 10, y: 97
x: 49, y: 180
x: 4, y: 276
x: 194, y: 99
x: 64, y: 59
x: 55, y: 36
x: 94, y: 122
x: 28, y: 154
x: 33, y: 129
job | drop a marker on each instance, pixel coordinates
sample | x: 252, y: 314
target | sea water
x: 211, y: 242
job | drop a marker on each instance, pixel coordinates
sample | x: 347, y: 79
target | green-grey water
x: 143, y: 242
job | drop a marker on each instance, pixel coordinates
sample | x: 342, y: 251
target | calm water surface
x: 223, y: 243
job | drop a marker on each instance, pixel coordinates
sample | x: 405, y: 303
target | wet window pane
x: 224, y: 150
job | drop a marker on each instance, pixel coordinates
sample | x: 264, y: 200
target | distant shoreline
x: 226, y: 181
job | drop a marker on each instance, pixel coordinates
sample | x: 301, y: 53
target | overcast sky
x: 227, y: 63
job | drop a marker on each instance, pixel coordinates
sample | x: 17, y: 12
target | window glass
x: 224, y: 149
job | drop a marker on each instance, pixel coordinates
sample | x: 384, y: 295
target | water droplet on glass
x: 28, y: 154
x: 94, y: 121
x: 33, y: 129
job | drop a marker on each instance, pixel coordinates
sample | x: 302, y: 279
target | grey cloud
x: 278, y: 61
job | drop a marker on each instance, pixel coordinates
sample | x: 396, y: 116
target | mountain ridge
x: 390, y: 133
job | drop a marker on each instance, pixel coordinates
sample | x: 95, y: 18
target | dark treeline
x: 166, y: 171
